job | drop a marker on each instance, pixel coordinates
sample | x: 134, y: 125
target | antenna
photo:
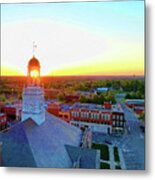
x: 34, y: 48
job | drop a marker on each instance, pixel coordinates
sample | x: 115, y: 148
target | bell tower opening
x: 34, y: 72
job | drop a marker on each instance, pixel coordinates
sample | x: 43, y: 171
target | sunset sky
x: 87, y: 38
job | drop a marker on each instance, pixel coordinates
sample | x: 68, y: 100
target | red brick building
x: 138, y: 105
x: 53, y: 108
x: 12, y: 111
x: 111, y: 117
x: 138, y: 110
x: 132, y: 103
x: 106, y: 118
x: 72, y: 98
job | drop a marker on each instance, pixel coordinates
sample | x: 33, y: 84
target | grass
x: 104, y: 150
x: 116, y: 154
x: 104, y: 166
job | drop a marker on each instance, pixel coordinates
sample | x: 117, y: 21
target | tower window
x: 34, y: 73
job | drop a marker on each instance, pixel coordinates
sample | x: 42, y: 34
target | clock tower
x: 33, y: 94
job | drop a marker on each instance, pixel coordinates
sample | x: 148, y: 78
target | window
x: 121, y: 117
x: 87, y: 114
x: 113, y: 123
x: 73, y: 114
x: 117, y: 123
x: 102, y: 116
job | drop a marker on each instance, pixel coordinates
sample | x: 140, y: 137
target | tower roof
x: 34, y: 62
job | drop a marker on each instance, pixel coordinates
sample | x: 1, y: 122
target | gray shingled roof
x: 88, y: 158
x: 30, y: 145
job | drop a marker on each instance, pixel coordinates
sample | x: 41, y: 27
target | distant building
x: 72, y: 98
x: 132, y: 103
x: 13, y: 111
x: 139, y: 109
x: 136, y: 104
x: 101, y: 90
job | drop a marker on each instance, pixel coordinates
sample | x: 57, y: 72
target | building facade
x: 100, y: 118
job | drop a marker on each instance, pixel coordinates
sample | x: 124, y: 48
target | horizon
x: 104, y: 76
x: 74, y: 39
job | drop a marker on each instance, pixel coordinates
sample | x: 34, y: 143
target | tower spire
x: 34, y: 47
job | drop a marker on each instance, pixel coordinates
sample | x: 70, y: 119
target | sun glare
x: 34, y: 73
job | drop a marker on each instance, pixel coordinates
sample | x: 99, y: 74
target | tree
x: 142, y: 117
x: 96, y: 99
x: 83, y: 99
x: 2, y: 98
x: 61, y: 97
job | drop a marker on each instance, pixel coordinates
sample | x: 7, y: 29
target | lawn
x: 104, y: 166
x: 103, y: 149
x: 116, y: 154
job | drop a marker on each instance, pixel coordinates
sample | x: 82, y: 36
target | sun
x: 34, y: 73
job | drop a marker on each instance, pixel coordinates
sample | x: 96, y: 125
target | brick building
x: 54, y: 108
x: 132, y: 103
x: 13, y: 111
x: 138, y: 105
x: 107, y: 118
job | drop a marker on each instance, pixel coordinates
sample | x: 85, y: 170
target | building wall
x: 12, y: 112
x: 85, y: 117
x: 33, y: 104
x: 91, y: 116
x: 53, y: 109
x: 118, y: 121
x: 102, y: 128
x: 109, y: 121
x: 65, y: 116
